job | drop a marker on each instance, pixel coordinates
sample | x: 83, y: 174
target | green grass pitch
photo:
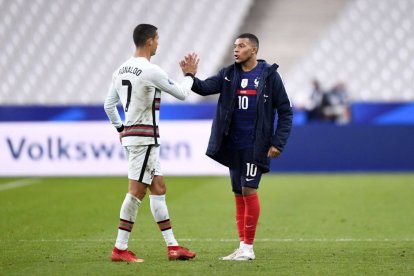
x: 310, y: 224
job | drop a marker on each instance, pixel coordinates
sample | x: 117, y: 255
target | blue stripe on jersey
x: 244, y: 114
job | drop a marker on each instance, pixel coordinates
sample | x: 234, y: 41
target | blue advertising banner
x: 327, y: 148
x: 379, y: 137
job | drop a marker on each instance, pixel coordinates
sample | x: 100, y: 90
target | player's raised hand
x: 190, y: 64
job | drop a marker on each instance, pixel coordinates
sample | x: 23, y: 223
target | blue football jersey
x: 244, y: 114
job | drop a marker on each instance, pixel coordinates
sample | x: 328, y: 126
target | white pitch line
x: 275, y: 240
x: 18, y: 183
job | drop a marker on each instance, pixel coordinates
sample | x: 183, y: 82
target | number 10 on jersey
x: 243, y: 102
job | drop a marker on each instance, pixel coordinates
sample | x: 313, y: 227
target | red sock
x: 251, y: 217
x: 240, y: 210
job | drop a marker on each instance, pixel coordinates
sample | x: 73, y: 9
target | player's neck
x: 249, y: 65
x: 143, y: 52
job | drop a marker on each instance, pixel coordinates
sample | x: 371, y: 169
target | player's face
x: 154, y: 44
x: 244, y: 50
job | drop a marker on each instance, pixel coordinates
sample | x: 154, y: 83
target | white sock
x: 160, y: 212
x: 247, y: 247
x: 241, y: 244
x: 128, y: 214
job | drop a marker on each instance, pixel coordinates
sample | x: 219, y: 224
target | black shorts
x: 243, y: 171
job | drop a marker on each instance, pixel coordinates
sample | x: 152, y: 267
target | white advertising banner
x: 93, y: 149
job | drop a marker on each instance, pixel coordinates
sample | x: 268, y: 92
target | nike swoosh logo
x: 266, y: 96
x: 249, y: 179
x: 226, y: 78
x: 249, y: 226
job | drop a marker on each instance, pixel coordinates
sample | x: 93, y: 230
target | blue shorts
x: 243, y: 171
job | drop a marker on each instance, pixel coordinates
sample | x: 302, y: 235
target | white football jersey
x: 138, y: 84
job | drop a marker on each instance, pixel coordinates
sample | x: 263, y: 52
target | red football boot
x: 125, y: 256
x: 179, y: 253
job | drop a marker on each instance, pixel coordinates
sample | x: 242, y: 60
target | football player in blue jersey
x: 244, y: 136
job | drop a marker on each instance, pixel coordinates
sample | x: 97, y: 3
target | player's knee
x: 158, y: 186
x: 137, y: 189
x: 158, y: 189
x: 246, y: 191
x: 140, y: 194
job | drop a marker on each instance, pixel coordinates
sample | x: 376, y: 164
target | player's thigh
x: 235, y: 170
x: 143, y: 163
x: 251, y: 174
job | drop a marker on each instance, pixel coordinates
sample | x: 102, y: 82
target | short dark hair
x: 142, y: 32
x: 251, y: 37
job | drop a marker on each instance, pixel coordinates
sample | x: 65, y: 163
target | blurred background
x: 348, y: 67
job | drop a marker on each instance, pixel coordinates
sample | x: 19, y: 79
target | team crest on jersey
x: 256, y: 82
x: 244, y: 83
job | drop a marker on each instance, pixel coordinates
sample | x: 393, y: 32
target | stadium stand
x: 63, y: 52
x: 280, y: 27
x: 370, y: 47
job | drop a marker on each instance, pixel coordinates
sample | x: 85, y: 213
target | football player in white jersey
x: 138, y: 83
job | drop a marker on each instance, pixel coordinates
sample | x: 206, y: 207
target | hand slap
x: 189, y: 64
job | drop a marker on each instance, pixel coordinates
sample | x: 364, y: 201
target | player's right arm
x: 209, y: 86
x: 111, y: 101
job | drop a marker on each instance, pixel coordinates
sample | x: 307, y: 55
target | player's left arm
x: 178, y: 90
x: 182, y: 90
x: 284, y: 111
